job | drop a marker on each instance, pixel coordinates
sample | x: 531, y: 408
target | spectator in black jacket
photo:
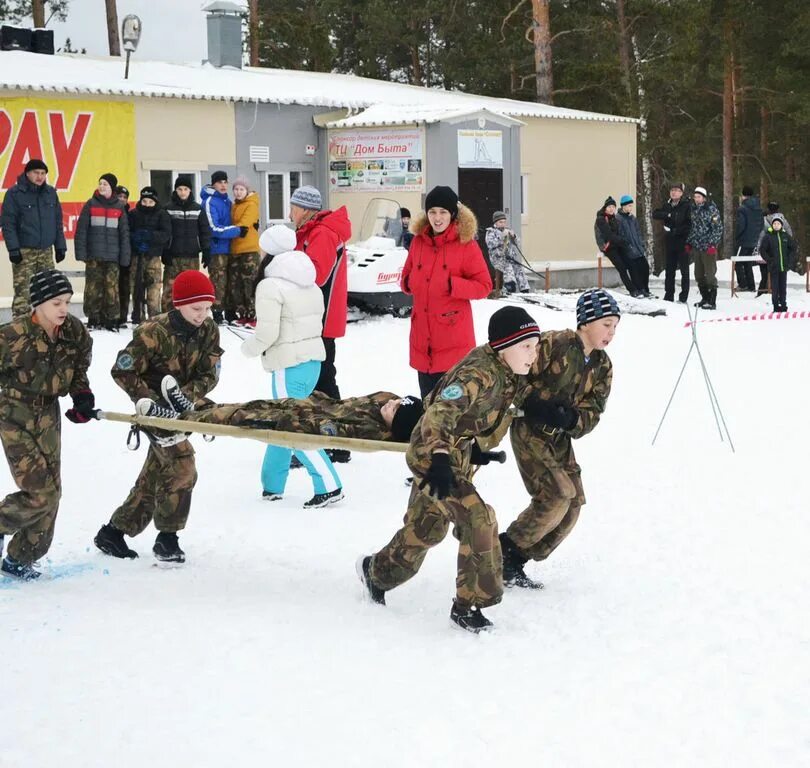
x: 122, y: 193
x: 773, y: 210
x: 150, y: 230
x: 778, y: 249
x: 746, y: 235
x: 191, y: 235
x: 637, y: 263
x: 676, y: 214
x: 610, y: 241
x: 32, y: 229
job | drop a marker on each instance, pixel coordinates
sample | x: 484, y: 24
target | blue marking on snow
x: 49, y: 573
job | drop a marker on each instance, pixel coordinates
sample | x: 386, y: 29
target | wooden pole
x: 271, y: 436
x: 113, y: 40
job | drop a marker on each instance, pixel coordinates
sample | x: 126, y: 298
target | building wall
x: 571, y: 167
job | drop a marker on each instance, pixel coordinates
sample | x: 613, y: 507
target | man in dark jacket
x: 32, y: 228
x: 191, y: 235
x: 746, y: 236
x: 612, y: 244
x: 150, y: 231
x: 703, y: 241
x: 676, y: 214
x: 636, y: 254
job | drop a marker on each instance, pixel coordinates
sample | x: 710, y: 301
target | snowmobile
x: 376, y: 261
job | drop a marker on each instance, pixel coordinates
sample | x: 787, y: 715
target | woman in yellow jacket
x: 243, y: 263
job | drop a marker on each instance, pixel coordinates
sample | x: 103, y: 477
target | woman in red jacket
x: 444, y: 270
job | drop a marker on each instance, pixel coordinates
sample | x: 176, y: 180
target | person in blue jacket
x: 217, y: 206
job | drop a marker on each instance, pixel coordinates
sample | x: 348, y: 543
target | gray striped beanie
x: 46, y: 285
x: 595, y: 304
x: 306, y: 197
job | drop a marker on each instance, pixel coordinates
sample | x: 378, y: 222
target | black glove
x: 552, y: 413
x: 439, y: 478
x: 60, y: 255
x: 206, y: 258
x: 256, y: 225
x: 482, y: 458
x: 243, y: 231
x: 166, y: 258
x: 84, y: 403
x: 15, y: 256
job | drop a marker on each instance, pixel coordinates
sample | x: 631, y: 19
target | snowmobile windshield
x: 382, y: 219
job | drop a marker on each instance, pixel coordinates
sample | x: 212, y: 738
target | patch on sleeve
x: 452, y: 392
x: 125, y: 362
x: 329, y: 428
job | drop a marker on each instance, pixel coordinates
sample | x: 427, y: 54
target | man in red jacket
x: 444, y: 270
x: 323, y: 235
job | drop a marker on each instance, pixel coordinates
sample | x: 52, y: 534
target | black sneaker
x: 167, y: 550
x: 324, y: 499
x: 174, y: 396
x: 270, y: 496
x: 147, y: 407
x: 513, y: 562
x: 518, y: 578
x: 362, y: 566
x: 21, y: 571
x: 338, y: 455
x: 470, y: 619
x: 110, y: 540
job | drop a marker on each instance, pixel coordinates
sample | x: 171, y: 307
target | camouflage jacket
x: 31, y: 365
x: 562, y: 373
x: 707, y: 227
x: 318, y: 414
x: 167, y: 344
x: 472, y: 400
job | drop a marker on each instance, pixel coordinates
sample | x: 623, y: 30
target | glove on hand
x: 688, y: 248
x: 243, y: 231
x: 60, y: 255
x: 83, y: 409
x: 711, y: 250
x: 439, y: 478
x: 550, y: 412
x: 15, y: 257
x: 206, y: 258
x: 482, y: 458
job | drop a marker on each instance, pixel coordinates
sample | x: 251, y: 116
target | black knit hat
x: 404, y: 213
x: 184, y: 180
x: 747, y: 191
x: 149, y: 192
x: 35, y: 164
x: 46, y: 285
x: 442, y: 197
x: 409, y: 412
x: 218, y: 176
x: 511, y: 325
x: 609, y: 201
x: 122, y: 190
x: 110, y: 178
x: 594, y: 304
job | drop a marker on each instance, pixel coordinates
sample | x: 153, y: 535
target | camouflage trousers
x: 242, y: 270
x: 218, y: 273
x: 479, y: 578
x: 33, y: 260
x: 161, y: 493
x: 31, y: 436
x: 171, y: 271
x: 705, y: 269
x: 152, y: 285
x: 101, y: 299
x: 556, y: 490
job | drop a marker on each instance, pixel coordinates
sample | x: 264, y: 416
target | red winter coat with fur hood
x: 443, y: 273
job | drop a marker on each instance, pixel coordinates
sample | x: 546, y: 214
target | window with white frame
x: 163, y: 182
x: 280, y: 186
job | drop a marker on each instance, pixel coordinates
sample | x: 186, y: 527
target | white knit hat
x: 277, y: 239
x: 701, y: 191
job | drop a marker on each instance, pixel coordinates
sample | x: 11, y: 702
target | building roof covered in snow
x: 77, y: 74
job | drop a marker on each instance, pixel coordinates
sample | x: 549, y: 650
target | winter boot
x: 509, y: 288
x: 218, y: 317
x: 338, y: 455
x: 270, y: 496
x: 513, y: 562
x: 230, y: 316
x: 147, y: 407
x: 711, y: 299
x: 110, y: 540
x: 167, y: 550
x: 683, y: 297
x: 324, y: 499
x: 174, y: 396
x: 470, y: 619
x: 702, y: 299
x: 21, y: 571
x: 362, y: 566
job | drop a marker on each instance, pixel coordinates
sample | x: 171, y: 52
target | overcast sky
x: 173, y: 30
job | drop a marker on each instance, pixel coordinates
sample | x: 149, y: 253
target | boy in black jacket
x: 676, y: 214
x: 150, y: 231
x: 778, y: 249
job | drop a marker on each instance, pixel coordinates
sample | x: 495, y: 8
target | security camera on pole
x: 131, y: 35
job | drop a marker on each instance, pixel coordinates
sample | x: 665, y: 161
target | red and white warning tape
x: 749, y: 318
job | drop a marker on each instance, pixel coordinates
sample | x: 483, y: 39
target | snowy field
x: 673, y: 629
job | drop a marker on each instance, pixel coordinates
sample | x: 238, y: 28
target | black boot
x: 110, y: 540
x: 702, y: 299
x: 218, y: 317
x: 167, y: 549
x: 338, y: 455
x: 711, y: 299
x: 230, y: 316
x: 375, y: 594
x: 469, y: 618
x: 513, y: 562
x: 21, y: 571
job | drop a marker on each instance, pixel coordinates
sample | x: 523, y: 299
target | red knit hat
x: 190, y: 287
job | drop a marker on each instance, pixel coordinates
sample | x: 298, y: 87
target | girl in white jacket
x: 289, y: 322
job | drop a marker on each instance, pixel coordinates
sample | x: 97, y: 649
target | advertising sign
x: 480, y: 149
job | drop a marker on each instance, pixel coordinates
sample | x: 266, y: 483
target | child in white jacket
x: 289, y: 322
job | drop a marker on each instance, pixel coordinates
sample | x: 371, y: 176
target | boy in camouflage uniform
x: 184, y: 344
x: 471, y: 401
x: 570, y: 383
x: 43, y: 356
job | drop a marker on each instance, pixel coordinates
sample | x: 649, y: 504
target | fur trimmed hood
x: 466, y: 223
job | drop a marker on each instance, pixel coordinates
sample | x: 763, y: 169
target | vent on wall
x: 259, y: 154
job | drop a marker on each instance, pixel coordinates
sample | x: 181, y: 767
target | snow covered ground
x: 673, y: 630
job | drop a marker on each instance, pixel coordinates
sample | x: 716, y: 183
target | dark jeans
x: 763, y: 278
x: 745, y: 271
x: 617, y: 259
x: 326, y: 381
x: 640, y: 274
x: 427, y: 381
x: 676, y: 259
x: 779, y: 288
